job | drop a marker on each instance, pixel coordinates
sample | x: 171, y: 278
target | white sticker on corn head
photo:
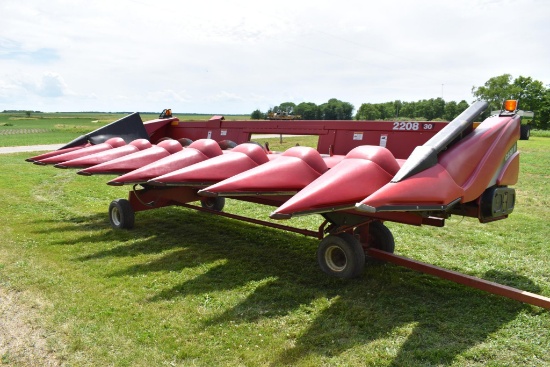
x: 383, y: 140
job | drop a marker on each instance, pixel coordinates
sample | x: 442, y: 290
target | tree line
x: 422, y: 110
x: 334, y: 109
x: 532, y: 94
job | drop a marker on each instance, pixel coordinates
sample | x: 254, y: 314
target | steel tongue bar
x: 468, y: 280
x: 135, y: 160
x: 241, y: 158
x: 290, y: 172
x: 196, y: 152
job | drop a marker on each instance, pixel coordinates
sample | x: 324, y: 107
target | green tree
x: 408, y: 110
x: 335, y: 109
x: 287, y: 107
x: 529, y: 92
x: 398, y: 105
x: 451, y: 109
x: 438, y: 106
x: 495, y: 91
x: 543, y: 117
x: 387, y: 111
x: 461, y: 107
x: 257, y: 115
x: 308, y: 110
x: 368, y: 111
x: 425, y: 108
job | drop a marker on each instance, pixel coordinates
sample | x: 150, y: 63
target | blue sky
x: 235, y: 57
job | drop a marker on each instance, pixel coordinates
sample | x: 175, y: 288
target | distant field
x: 56, y: 128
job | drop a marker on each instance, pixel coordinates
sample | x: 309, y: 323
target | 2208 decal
x: 411, y: 126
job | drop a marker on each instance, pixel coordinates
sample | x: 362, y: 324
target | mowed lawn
x: 190, y: 289
x: 17, y: 128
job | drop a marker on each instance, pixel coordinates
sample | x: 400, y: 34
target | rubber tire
x: 524, y: 132
x: 217, y: 203
x: 227, y: 144
x: 381, y: 237
x: 185, y: 142
x: 121, y: 214
x: 341, y: 256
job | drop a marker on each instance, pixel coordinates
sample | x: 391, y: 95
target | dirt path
x: 22, y: 341
x: 30, y: 148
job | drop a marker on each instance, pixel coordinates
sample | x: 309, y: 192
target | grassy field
x: 188, y: 289
x: 57, y: 128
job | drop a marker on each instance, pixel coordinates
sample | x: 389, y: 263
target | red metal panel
x: 200, y: 150
x: 510, y: 172
x: 135, y: 160
x: 157, y: 198
x: 215, y: 169
x: 341, y: 135
x: 55, y: 152
x: 73, y: 154
x: 157, y: 129
x: 473, y: 162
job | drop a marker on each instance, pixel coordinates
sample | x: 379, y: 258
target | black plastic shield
x: 128, y: 128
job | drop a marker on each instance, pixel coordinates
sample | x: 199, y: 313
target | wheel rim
x: 115, y: 216
x: 335, y: 258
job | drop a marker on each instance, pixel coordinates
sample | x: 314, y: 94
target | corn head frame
x: 362, y: 174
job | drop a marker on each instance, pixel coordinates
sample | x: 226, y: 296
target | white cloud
x: 226, y: 97
x: 52, y: 85
x: 234, y: 57
x: 168, y: 96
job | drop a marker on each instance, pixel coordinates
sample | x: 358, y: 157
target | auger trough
x: 362, y: 174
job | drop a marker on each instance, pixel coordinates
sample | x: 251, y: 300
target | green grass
x: 17, y: 129
x: 186, y: 288
x: 541, y: 133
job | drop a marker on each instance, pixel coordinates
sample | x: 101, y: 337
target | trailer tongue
x: 360, y: 175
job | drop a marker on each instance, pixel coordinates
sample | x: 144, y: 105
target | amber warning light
x: 510, y: 105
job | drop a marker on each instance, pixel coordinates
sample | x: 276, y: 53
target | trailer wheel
x: 185, y: 142
x: 341, y: 256
x: 380, y: 237
x: 217, y: 203
x: 524, y: 132
x: 227, y: 144
x: 121, y: 214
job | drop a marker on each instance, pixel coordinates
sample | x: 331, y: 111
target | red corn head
x: 196, y: 152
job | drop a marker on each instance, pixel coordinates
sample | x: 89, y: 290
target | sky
x: 233, y: 57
